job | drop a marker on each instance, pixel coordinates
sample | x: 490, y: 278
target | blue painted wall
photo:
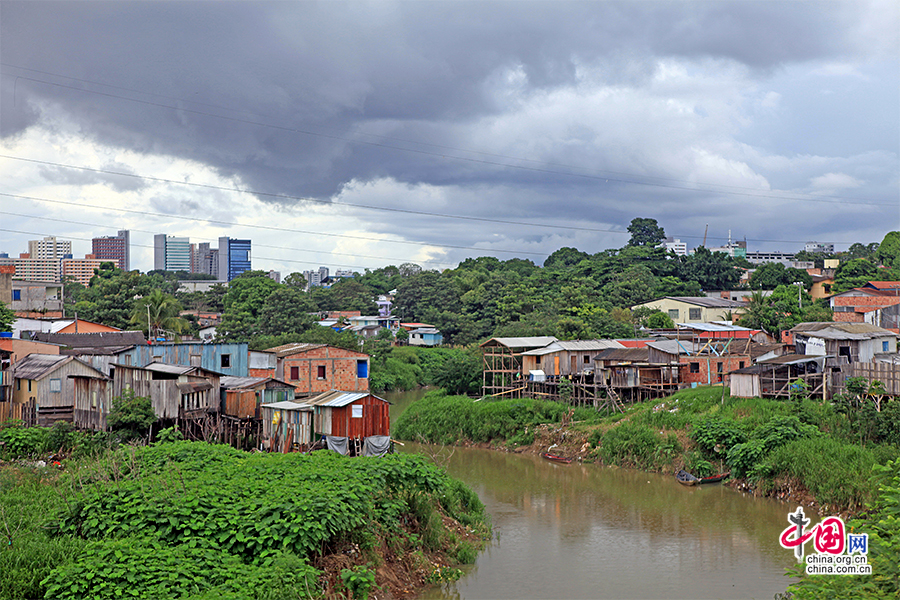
x: 212, y: 356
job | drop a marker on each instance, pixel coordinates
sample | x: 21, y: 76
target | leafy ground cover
x: 194, y: 520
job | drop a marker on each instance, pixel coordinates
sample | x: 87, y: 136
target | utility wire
x: 267, y: 227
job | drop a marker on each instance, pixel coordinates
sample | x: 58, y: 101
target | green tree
x: 660, y: 320
x: 888, y: 252
x: 645, y: 232
x: 712, y: 270
x: 770, y: 275
x: 634, y: 285
x: 758, y: 314
x: 131, y: 416
x: 286, y: 310
x: 7, y: 318
x: 158, y: 313
x: 852, y: 274
x: 565, y: 257
x: 111, y: 296
x: 244, y: 301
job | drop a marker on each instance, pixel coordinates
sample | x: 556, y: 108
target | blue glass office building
x: 234, y: 257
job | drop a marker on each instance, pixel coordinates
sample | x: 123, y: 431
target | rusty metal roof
x: 294, y: 348
x: 832, y: 330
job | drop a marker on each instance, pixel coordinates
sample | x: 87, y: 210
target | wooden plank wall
x: 886, y: 373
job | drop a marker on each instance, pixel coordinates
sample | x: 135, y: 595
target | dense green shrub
x: 201, y: 521
x: 715, y: 434
x: 441, y: 419
x: 635, y: 445
x: 23, y: 442
x: 131, y: 416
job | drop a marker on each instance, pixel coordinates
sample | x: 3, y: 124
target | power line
x: 255, y: 245
x: 735, y: 190
x: 268, y: 227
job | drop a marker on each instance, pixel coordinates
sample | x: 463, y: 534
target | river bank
x: 772, y: 448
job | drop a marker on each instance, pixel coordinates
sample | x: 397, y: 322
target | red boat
x: 557, y: 458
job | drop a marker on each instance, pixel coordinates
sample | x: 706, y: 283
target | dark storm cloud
x: 304, y: 98
x: 120, y: 183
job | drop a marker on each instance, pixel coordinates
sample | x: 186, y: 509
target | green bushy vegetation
x: 882, y: 524
x: 441, y: 419
x: 195, y: 520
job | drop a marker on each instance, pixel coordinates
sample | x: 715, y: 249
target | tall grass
x: 27, y: 553
x: 837, y: 473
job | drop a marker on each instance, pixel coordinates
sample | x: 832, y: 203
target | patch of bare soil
x: 397, y: 576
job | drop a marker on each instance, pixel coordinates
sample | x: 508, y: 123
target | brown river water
x: 586, y: 531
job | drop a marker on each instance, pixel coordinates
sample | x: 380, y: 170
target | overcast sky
x: 361, y: 134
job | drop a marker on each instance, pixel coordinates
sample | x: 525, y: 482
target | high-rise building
x: 234, y: 258
x: 49, y: 248
x: 171, y: 253
x: 819, y: 247
x: 674, y: 245
x: 116, y: 248
x: 205, y: 259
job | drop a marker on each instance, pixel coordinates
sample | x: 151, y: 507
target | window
x: 741, y: 365
x: 362, y: 369
x: 695, y: 367
x: 827, y: 288
x: 587, y: 359
x: 17, y: 295
x: 320, y: 372
x: 537, y: 360
x: 225, y: 361
x: 195, y: 360
x: 694, y: 314
x: 18, y: 385
x: 718, y: 367
x: 295, y: 373
x: 29, y: 385
x: 673, y: 313
x: 885, y: 346
x: 357, y: 411
x: 56, y: 385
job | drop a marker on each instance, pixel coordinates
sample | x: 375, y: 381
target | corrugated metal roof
x: 36, y: 366
x: 337, y: 398
x: 708, y: 302
x: 831, y: 330
x: 627, y: 354
x: 522, y: 342
x: 158, y: 367
x: 231, y: 382
x: 673, y: 346
x: 288, y: 405
x: 574, y: 346
x: 425, y: 330
x: 295, y: 348
x: 794, y: 359
x: 712, y: 327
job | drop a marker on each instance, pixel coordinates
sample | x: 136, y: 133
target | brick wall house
x: 318, y: 368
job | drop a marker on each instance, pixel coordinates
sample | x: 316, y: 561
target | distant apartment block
x: 675, y: 245
x: 114, y: 248
x: 49, y: 248
x: 275, y: 276
x: 204, y: 259
x: 171, y: 253
x: 82, y: 269
x: 33, y: 269
x: 759, y: 258
x: 315, y: 278
x: 234, y: 258
x: 819, y: 247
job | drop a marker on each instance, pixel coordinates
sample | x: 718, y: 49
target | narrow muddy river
x: 585, y: 531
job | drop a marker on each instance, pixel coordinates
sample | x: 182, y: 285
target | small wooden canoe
x: 715, y: 478
x: 685, y: 478
x: 557, y: 458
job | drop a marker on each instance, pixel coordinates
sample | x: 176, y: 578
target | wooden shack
x: 777, y: 377
x: 44, y: 381
x: 566, y: 358
x: 503, y: 370
x: 354, y: 415
x: 177, y: 392
x: 286, y: 426
x: 92, y: 401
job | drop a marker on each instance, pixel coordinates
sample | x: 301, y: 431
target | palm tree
x: 158, y: 313
x: 758, y: 314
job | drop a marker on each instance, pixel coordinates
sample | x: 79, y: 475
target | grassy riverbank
x: 771, y: 447
x: 191, y: 520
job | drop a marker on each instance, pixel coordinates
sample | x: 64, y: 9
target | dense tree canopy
x: 645, y: 232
